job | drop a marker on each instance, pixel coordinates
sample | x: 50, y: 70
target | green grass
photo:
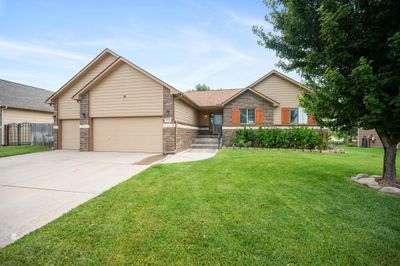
x: 15, y: 150
x: 240, y: 207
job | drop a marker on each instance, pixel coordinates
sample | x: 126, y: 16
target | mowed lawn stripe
x: 239, y: 207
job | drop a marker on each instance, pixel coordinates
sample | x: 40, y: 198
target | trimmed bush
x: 292, y: 138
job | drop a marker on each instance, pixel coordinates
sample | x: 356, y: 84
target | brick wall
x: 226, y: 136
x: 56, y: 125
x: 367, y: 133
x: 248, y: 100
x: 84, y: 139
x: 169, y: 127
x: 184, y: 138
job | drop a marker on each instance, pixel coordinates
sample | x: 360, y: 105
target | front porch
x: 210, y: 122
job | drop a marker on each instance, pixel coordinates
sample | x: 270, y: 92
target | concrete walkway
x: 39, y: 187
x: 190, y: 155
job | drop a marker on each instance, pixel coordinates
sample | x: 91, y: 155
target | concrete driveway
x: 39, y: 187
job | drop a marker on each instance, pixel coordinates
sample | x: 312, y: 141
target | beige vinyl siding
x: 126, y: 92
x: 282, y: 91
x: 128, y: 134
x: 12, y: 115
x: 70, y: 134
x: 185, y: 114
x: 68, y: 107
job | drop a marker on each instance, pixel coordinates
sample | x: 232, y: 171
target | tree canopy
x: 201, y: 87
x: 348, y: 53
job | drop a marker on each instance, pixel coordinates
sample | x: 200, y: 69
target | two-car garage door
x: 127, y: 134
x: 139, y: 134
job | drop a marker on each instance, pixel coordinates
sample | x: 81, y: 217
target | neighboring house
x: 22, y: 103
x: 371, y: 138
x: 114, y: 105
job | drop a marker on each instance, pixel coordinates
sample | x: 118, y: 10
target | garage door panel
x: 128, y: 134
x: 70, y: 134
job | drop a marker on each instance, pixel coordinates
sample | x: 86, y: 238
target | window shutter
x: 259, y: 116
x: 285, y: 115
x: 235, y: 116
x: 310, y: 120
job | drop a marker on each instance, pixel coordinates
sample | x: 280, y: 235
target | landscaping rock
x: 376, y: 176
x: 369, y: 181
x: 359, y: 176
x: 392, y: 190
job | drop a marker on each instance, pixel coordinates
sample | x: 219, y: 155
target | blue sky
x: 185, y: 42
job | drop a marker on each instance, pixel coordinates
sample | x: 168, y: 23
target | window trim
x: 247, y: 116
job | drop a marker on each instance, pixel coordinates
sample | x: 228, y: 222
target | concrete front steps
x: 205, y: 142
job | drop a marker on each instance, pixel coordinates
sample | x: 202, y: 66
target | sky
x: 183, y: 42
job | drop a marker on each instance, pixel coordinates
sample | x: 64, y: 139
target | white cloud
x: 205, y: 56
x: 21, y: 49
x: 244, y: 21
x: 116, y: 43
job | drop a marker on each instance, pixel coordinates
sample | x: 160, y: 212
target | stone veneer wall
x: 185, y: 137
x: 169, y: 127
x: 246, y: 100
x: 56, y: 125
x: 84, y: 130
x: 226, y: 136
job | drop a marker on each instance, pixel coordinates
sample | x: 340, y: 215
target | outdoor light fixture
x: 83, y: 114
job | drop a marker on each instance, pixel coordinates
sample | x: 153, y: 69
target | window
x: 294, y: 115
x: 298, y: 116
x: 247, y: 116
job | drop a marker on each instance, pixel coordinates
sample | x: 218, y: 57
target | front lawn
x: 240, y: 207
x: 15, y: 150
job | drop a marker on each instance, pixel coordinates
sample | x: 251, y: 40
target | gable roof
x: 104, y: 53
x: 22, y: 96
x: 211, y: 98
x: 274, y: 72
x: 108, y: 69
x: 266, y: 98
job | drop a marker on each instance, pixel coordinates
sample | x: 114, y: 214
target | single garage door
x: 128, y: 134
x: 70, y: 134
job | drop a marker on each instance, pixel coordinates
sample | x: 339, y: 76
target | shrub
x: 295, y: 138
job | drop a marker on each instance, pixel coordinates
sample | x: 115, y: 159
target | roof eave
x: 48, y: 100
x: 282, y: 76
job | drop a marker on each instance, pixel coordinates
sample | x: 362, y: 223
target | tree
x: 348, y: 53
x: 201, y: 87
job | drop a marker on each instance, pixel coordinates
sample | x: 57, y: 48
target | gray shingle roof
x: 23, y: 96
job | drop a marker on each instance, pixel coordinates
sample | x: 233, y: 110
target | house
x: 114, y: 105
x: 22, y: 103
x: 371, y: 138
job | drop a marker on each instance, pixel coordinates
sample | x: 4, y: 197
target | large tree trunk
x: 389, y: 159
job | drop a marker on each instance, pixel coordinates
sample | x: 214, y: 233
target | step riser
x: 206, y: 136
x: 204, y: 147
x: 200, y: 141
x: 205, y: 142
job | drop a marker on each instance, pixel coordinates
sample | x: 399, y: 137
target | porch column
x: 84, y: 128
x: 169, y: 126
x: 56, y: 124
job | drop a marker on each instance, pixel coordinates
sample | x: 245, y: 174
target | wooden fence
x: 28, y: 134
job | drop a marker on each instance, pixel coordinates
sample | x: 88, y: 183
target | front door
x: 216, y: 123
